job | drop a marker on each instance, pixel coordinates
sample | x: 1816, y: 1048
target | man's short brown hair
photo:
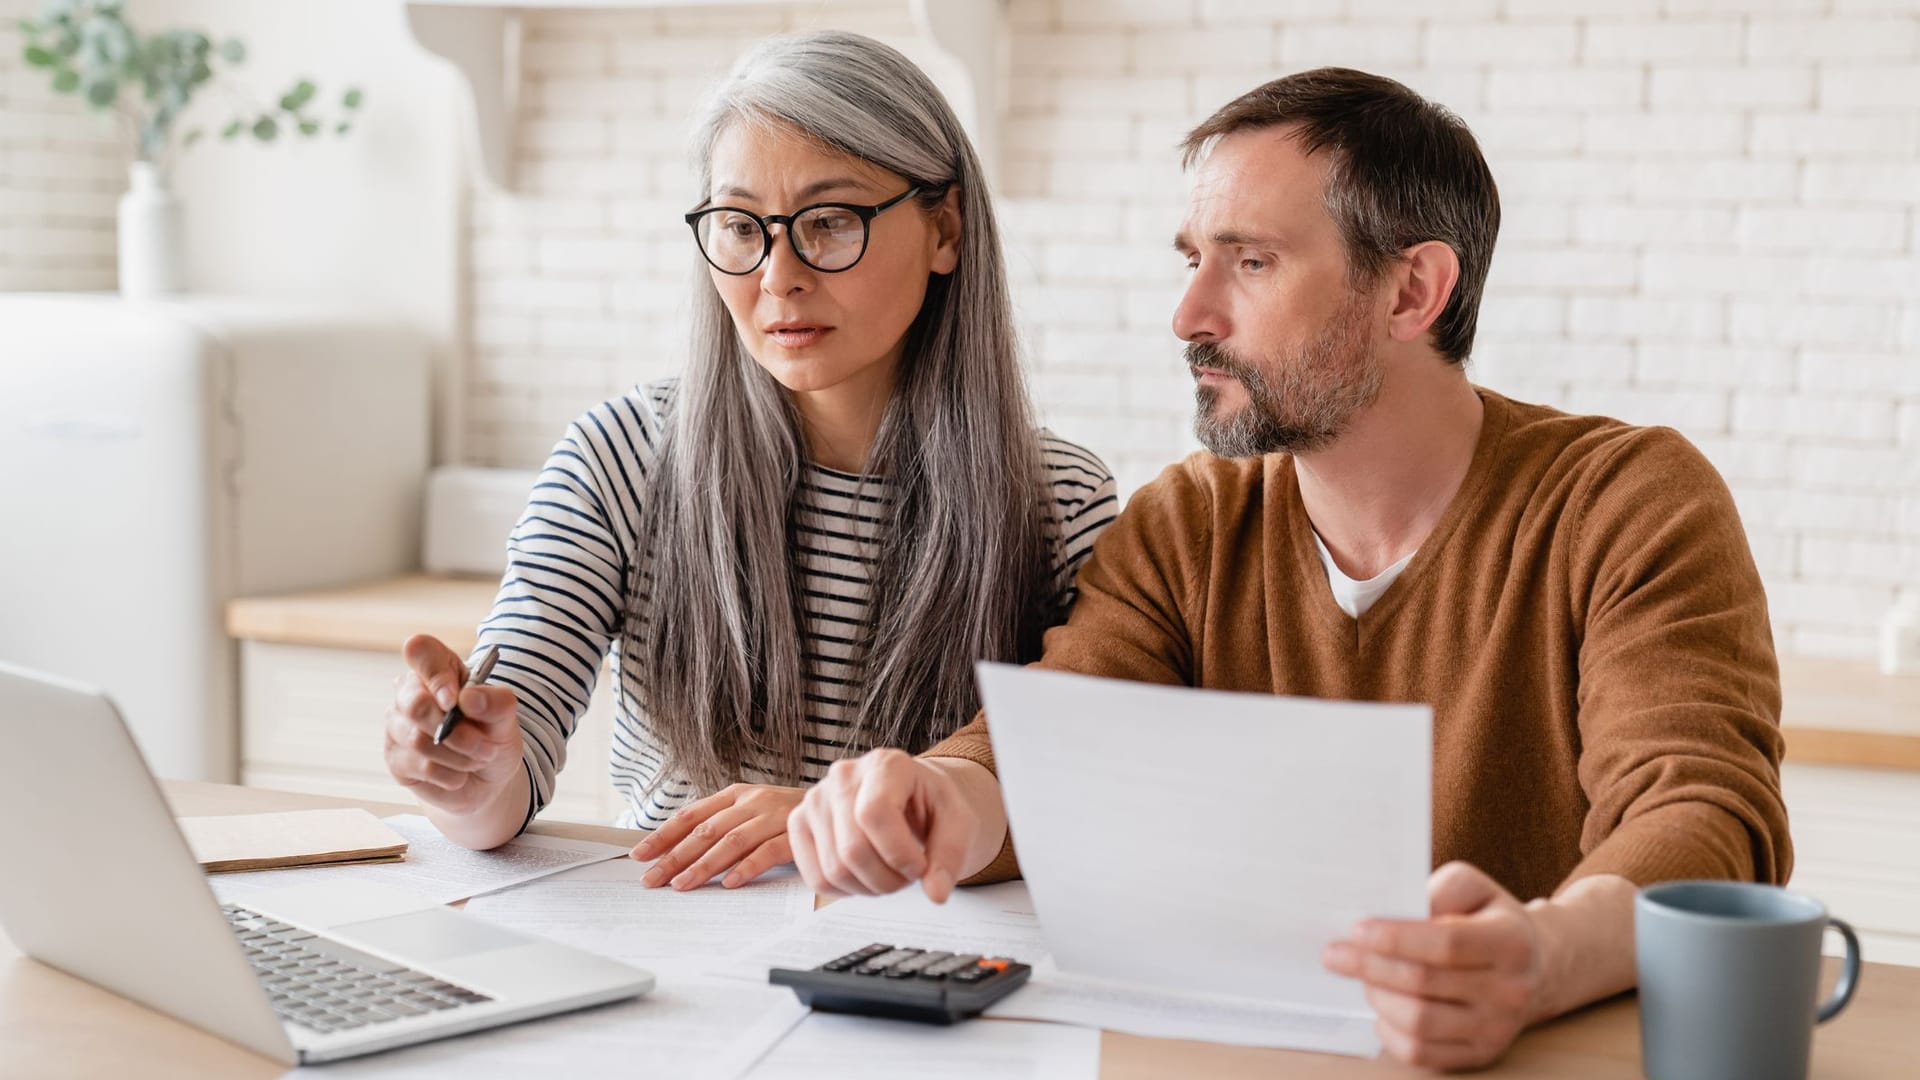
x: 1403, y: 171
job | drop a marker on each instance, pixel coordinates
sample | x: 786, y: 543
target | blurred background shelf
x: 964, y: 42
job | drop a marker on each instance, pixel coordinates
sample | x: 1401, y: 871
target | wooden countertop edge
x: 380, y: 616
x: 1869, y: 749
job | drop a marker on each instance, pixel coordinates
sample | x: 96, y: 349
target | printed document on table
x: 828, y: 1047
x: 435, y: 867
x: 1144, y: 1010
x: 604, y: 909
x: 993, y: 920
x: 686, y: 1029
x: 1206, y: 845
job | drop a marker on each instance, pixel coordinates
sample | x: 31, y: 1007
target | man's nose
x: 1201, y: 314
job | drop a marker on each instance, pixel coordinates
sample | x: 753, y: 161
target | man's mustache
x: 1214, y: 356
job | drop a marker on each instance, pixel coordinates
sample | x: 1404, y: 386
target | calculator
x: 905, y: 984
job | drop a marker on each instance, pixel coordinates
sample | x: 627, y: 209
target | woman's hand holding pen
x: 740, y: 831
x: 478, y: 760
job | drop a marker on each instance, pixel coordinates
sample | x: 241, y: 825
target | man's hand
x: 1455, y: 990
x: 740, y: 831
x: 882, y: 820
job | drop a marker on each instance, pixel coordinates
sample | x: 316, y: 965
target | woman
x: 797, y: 550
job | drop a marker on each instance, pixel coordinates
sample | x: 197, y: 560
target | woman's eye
x: 740, y: 228
x: 829, y: 223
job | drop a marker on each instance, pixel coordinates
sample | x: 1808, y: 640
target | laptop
x: 100, y: 884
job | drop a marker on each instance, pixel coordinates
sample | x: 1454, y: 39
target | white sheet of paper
x: 688, y: 1029
x: 435, y: 867
x: 828, y: 1047
x: 1065, y: 999
x: 1198, y: 842
x: 604, y: 909
x: 995, y: 920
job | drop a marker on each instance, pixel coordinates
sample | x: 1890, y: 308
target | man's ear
x: 947, y: 226
x: 1424, y: 282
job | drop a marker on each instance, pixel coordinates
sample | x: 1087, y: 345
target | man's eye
x: 1255, y: 265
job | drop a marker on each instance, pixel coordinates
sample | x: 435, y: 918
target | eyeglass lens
x: 827, y: 237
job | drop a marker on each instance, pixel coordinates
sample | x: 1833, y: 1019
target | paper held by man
x: 1190, y: 853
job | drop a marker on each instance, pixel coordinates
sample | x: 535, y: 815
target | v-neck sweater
x: 1585, y: 620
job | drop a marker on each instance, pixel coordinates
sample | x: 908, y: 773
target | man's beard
x: 1297, y: 404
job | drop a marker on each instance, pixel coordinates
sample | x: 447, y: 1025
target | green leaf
x: 102, y: 92
x: 66, y: 80
x: 298, y: 96
x: 28, y: 27
x: 265, y: 129
x: 234, y: 51
x: 343, y: 128
x: 40, y: 57
x: 200, y: 73
x: 352, y: 99
x: 233, y: 130
x: 309, y: 127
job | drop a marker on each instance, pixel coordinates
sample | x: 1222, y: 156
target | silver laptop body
x: 100, y: 884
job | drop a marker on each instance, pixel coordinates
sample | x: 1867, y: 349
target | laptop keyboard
x: 327, y: 986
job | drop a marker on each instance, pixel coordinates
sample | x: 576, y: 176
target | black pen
x: 479, y: 676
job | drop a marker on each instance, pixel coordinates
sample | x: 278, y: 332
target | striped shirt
x: 573, y: 590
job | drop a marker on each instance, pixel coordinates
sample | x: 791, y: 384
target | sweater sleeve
x: 563, y: 595
x: 1138, y: 597
x: 1679, y: 690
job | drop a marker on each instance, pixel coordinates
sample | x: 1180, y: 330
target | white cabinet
x: 1856, y: 837
x: 317, y: 675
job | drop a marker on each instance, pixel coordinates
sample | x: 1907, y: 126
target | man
x: 1574, y: 596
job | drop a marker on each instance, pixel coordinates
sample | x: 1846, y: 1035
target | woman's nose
x: 784, y: 274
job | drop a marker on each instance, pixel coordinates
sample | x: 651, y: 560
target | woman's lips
x: 798, y: 337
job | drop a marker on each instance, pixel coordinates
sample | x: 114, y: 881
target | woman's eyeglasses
x: 830, y: 237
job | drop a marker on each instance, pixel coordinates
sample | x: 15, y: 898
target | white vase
x: 152, y: 237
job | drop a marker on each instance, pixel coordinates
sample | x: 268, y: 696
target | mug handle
x: 1849, y: 975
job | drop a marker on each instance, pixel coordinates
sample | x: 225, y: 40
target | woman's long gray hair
x: 962, y: 574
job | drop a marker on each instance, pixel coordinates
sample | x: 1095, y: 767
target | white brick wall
x: 1712, y: 217
x: 61, y: 172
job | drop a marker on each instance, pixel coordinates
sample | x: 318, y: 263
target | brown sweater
x: 1586, y: 621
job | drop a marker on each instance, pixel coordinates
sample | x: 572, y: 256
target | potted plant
x: 147, y: 80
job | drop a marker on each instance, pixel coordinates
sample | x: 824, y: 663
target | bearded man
x: 1574, y: 596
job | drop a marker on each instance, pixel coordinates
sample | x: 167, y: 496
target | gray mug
x: 1729, y: 980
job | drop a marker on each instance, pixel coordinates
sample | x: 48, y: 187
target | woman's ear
x: 947, y: 225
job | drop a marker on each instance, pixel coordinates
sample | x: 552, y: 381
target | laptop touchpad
x: 426, y: 936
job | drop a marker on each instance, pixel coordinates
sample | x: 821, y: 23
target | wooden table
x: 55, y: 1026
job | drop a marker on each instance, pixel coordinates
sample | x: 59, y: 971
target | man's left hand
x: 1452, y: 991
x: 740, y: 831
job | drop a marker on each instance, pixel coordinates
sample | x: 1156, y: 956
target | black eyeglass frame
x: 866, y: 214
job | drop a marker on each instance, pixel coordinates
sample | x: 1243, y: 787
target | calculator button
x: 908, y: 968
x: 884, y: 961
x: 997, y: 965
x: 950, y: 965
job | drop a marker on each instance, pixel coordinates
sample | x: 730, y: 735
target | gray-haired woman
x: 796, y: 551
